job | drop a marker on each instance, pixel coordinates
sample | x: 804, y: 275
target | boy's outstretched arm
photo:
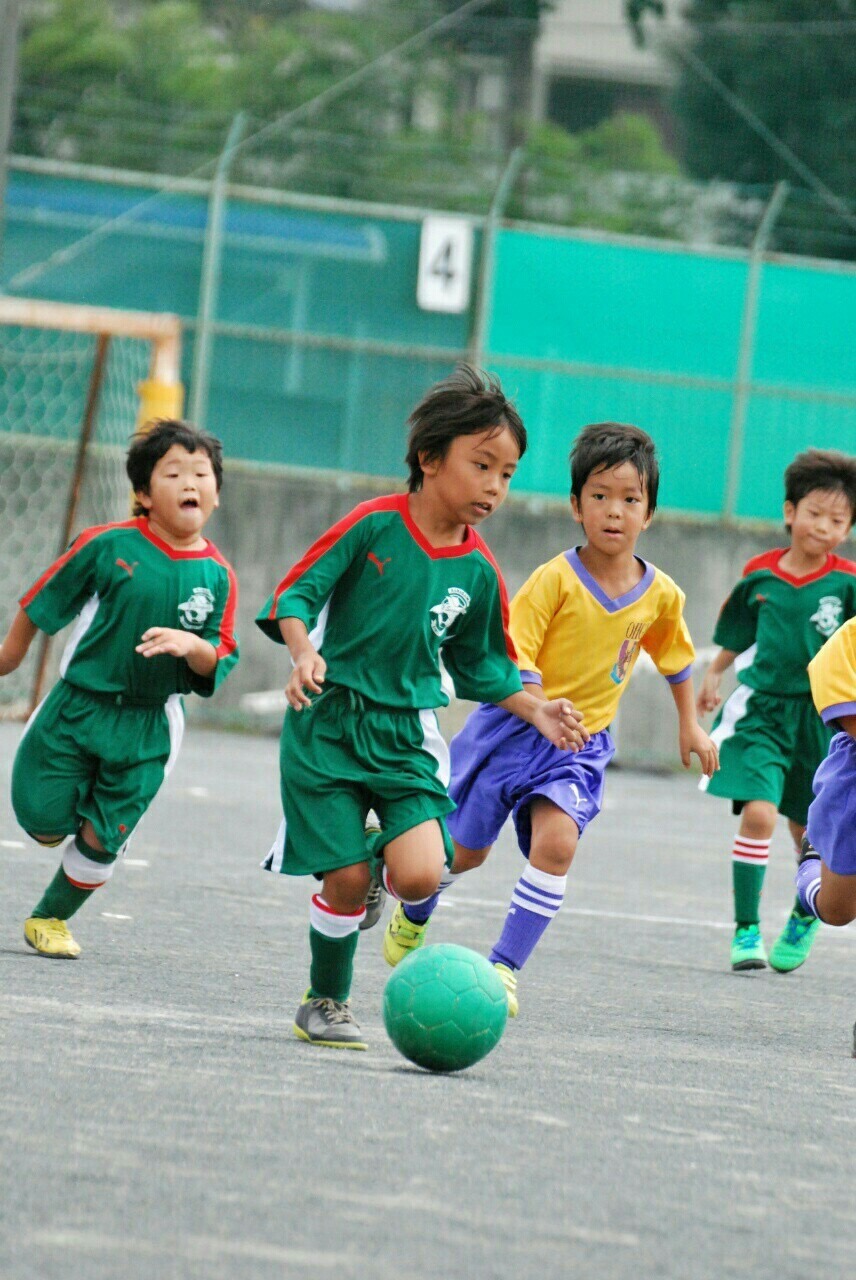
x: 708, y: 695
x: 309, y: 667
x: 18, y: 640
x: 558, y: 720
x: 692, y: 739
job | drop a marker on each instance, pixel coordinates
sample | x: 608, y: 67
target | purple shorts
x: 500, y: 764
x: 832, y: 813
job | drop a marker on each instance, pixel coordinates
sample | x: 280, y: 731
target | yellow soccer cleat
x: 401, y: 937
x: 50, y: 938
x: 509, y: 981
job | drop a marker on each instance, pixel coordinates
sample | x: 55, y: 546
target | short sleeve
x: 668, y: 641
x: 832, y: 674
x: 737, y: 623
x: 63, y: 589
x: 531, y: 612
x: 219, y: 631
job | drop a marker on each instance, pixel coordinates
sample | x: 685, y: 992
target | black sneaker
x: 807, y: 850
x: 327, y: 1022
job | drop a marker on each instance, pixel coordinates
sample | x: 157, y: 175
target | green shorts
x: 769, y: 749
x: 343, y: 756
x: 84, y: 756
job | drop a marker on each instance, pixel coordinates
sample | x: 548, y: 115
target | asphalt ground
x: 649, y: 1114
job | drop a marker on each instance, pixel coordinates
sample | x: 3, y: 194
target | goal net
x: 74, y: 383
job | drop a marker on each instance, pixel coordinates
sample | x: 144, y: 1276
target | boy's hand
x: 309, y: 672
x: 178, y: 644
x: 694, y: 741
x: 561, y: 724
x: 708, y: 695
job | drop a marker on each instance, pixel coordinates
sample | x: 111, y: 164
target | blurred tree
x: 790, y: 62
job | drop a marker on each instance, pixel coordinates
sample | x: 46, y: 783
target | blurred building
x: 587, y: 66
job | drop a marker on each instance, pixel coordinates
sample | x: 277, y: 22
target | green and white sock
x: 333, y: 939
x: 748, y: 868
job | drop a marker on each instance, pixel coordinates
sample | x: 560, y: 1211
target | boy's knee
x: 840, y: 913
x: 49, y: 842
x: 469, y: 859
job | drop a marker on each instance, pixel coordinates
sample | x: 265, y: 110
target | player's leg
x: 792, y: 947
x: 549, y: 820
x: 50, y: 773
x: 538, y: 894
x: 415, y: 868
x: 482, y: 759
x: 749, y: 856
x: 826, y: 876
x: 324, y: 1015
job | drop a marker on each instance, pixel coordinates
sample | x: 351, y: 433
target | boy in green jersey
x: 770, y: 737
x: 155, y: 606
x: 366, y: 615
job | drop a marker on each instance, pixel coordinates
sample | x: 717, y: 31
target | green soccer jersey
x: 777, y: 623
x: 119, y: 580
x: 381, y: 605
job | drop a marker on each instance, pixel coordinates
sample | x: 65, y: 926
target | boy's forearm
x: 202, y: 658
x: 296, y: 637
x: 722, y: 662
x: 524, y: 704
x: 18, y: 640
x: 684, y: 698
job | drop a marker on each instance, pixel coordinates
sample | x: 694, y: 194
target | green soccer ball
x: 445, y: 1007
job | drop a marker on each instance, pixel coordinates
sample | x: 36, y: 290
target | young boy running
x: 366, y: 614
x: 155, y: 606
x: 826, y: 876
x: 578, y: 625
x: 788, y: 602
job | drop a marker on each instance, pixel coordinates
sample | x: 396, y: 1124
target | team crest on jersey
x: 827, y: 619
x: 195, y: 610
x: 626, y: 654
x: 454, y: 604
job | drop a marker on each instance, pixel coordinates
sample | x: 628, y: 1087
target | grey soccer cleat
x: 327, y: 1022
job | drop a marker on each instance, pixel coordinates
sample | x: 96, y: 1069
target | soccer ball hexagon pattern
x: 445, y: 1007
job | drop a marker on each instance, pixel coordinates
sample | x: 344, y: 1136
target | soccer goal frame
x: 158, y: 393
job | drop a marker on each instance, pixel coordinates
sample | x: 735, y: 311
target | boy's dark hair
x: 604, y: 445
x: 150, y: 445
x: 467, y: 402
x: 824, y: 469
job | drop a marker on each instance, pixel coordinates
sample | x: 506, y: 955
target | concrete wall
x: 269, y: 516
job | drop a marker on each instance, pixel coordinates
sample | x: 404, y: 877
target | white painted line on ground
x: 201, y: 1248
x: 12, y: 844
x: 112, y: 915
x: 135, y: 862
x: 198, y: 793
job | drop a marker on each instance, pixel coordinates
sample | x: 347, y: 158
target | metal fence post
x: 746, y: 352
x: 209, y: 284
x: 484, y: 288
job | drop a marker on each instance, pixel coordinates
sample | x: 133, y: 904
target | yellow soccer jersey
x: 577, y: 643
x: 832, y: 672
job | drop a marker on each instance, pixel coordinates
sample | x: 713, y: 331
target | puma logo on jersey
x: 129, y: 568
x: 380, y: 565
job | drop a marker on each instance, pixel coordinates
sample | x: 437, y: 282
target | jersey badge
x: 380, y: 565
x: 196, y: 609
x: 622, y: 663
x: 827, y: 619
x: 454, y: 604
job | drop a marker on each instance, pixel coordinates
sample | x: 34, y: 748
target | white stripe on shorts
x: 435, y: 744
x: 732, y: 713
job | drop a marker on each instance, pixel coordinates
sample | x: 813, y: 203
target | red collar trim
x: 174, y: 553
x: 809, y: 577
x: 436, y: 553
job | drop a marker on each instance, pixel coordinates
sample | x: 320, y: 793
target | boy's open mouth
x: 189, y: 504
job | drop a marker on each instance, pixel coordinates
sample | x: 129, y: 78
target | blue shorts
x: 832, y: 814
x: 500, y: 764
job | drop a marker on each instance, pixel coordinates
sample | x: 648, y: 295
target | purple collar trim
x: 594, y: 588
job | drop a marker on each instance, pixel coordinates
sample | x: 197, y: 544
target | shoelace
x: 373, y: 895
x: 796, y: 929
x: 335, y: 1011
x: 747, y: 941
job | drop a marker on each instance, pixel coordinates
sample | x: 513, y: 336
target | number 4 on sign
x: 445, y: 264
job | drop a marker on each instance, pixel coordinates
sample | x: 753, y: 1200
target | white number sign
x: 445, y: 264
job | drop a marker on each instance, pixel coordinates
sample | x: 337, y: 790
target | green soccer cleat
x: 401, y: 937
x: 509, y: 981
x: 50, y: 938
x: 793, y: 944
x: 747, y: 949
x: 328, y: 1023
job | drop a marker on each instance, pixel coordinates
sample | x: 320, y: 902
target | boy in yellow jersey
x: 578, y: 625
